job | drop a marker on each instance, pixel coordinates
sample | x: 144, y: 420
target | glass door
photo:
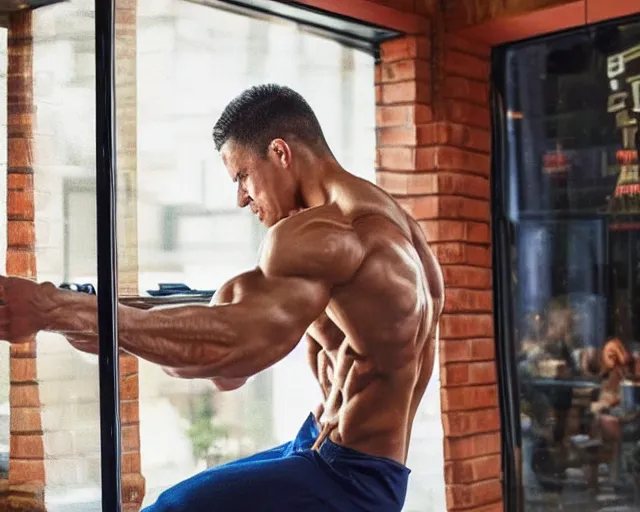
x: 567, y: 260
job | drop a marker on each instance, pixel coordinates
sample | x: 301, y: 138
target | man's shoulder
x: 318, y: 243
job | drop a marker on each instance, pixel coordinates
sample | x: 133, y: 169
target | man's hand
x: 24, y: 306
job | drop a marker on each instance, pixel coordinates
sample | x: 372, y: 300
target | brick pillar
x: 26, y: 466
x: 469, y: 388
x: 133, y: 483
x: 433, y: 128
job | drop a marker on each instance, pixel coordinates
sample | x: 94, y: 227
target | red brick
x: 483, y: 350
x: 408, y: 183
x: 129, y: 412
x: 463, y: 423
x: 478, y: 232
x: 444, y: 230
x: 467, y: 277
x: 21, y: 233
x: 467, y: 113
x: 402, y: 115
x: 458, y: 184
x: 24, y: 395
x: 19, y: 181
x: 472, y: 301
x: 472, y: 470
x: 130, y: 438
x: 473, y: 91
x: 129, y: 387
x: 25, y: 420
x: 468, y: 373
x: 455, y: 42
x: 449, y: 252
x: 378, y: 73
x: 403, y: 70
x: 396, y: 136
x: 468, y: 398
x: 465, y: 65
x: 452, y: 158
x: 460, y: 207
x: 29, y: 446
x: 19, y: 125
x: 408, y: 47
x: 396, y: 158
x: 19, y: 152
x: 21, y: 262
x: 482, y: 372
x: 378, y: 92
x: 420, y: 114
x: 404, y: 92
x: 492, y: 507
x: 455, y: 351
x: 475, y: 445
x: 22, y: 471
x: 466, y: 326
x: 20, y: 205
x: 131, y: 462
x: 133, y: 488
x: 479, y: 255
x: 23, y: 370
x: 425, y: 207
x: 128, y: 365
x: 397, y: 115
x: 28, y: 350
x: 472, y: 495
x: 445, y: 133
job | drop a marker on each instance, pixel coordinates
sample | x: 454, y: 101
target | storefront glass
x: 571, y: 199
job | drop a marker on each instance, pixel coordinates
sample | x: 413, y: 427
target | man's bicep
x: 271, y: 315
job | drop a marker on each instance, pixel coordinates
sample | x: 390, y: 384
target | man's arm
x: 230, y: 340
x: 272, y: 306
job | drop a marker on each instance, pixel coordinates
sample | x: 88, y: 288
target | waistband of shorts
x: 332, y: 452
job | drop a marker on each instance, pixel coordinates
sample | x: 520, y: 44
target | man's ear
x: 280, y: 151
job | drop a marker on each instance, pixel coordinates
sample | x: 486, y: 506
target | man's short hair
x: 267, y: 112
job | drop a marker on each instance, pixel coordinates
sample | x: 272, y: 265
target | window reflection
x: 573, y: 145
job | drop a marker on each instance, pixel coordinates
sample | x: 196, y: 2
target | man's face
x: 265, y: 182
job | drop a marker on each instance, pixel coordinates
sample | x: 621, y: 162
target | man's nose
x: 243, y: 197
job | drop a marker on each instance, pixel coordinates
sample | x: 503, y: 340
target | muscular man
x: 342, y: 266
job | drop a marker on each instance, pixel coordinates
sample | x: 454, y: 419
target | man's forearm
x: 175, y: 337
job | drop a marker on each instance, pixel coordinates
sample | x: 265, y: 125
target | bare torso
x: 372, y: 349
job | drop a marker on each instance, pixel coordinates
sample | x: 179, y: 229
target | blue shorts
x: 291, y: 478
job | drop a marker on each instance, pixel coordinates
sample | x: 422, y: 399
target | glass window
x: 572, y: 106
x: 192, y: 59
x: 65, y: 226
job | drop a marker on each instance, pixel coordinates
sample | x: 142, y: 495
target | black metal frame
x: 107, y: 256
x: 347, y: 31
x: 502, y: 300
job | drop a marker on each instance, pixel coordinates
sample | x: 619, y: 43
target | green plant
x: 202, y: 432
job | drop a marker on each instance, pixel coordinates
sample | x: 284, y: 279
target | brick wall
x: 133, y: 483
x: 27, y: 457
x: 433, y: 126
x: 26, y: 466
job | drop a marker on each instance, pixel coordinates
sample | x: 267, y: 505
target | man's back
x: 372, y: 349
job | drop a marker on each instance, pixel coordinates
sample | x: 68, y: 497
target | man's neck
x: 318, y: 182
